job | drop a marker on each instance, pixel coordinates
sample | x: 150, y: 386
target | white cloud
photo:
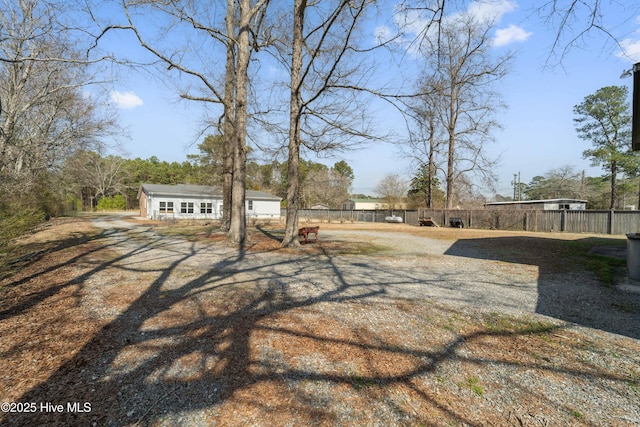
x: 415, y: 23
x: 509, y: 35
x: 490, y: 10
x: 630, y: 49
x: 383, y: 34
x: 126, y: 100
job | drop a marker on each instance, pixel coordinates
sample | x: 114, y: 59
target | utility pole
x: 635, y: 108
x: 517, y: 188
x: 635, y: 120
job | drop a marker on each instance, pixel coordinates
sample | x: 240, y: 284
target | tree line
x: 55, y: 56
x: 89, y: 181
x: 569, y: 182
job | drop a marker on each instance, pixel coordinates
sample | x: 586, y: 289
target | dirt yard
x: 119, y: 322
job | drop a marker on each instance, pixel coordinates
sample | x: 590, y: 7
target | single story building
x: 319, y: 206
x: 369, y: 204
x: 546, y: 204
x: 183, y: 201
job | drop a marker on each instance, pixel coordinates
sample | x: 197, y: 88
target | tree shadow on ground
x: 194, y: 338
x: 95, y: 243
x: 270, y: 234
x: 566, y: 289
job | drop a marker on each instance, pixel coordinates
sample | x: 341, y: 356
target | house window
x: 166, y: 207
x: 186, y: 207
x: 206, y: 208
x: 250, y: 205
x: 567, y: 207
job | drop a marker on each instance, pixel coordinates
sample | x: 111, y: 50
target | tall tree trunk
x: 431, y: 171
x: 614, y: 185
x: 450, y: 171
x: 451, y: 130
x: 229, y: 118
x: 293, y: 175
x: 238, y: 225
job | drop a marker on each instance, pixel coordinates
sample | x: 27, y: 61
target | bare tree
x: 45, y: 113
x: 562, y: 182
x: 324, y: 101
x: 427, y: 136
x: 575, y: 20
x: 229, y: 125
x: 248, y: 15
x: 103, y: 175
x: 461, y: 63
x: 236, y: 39
x: 393, y: 189
x: 295, y: 110
x: 326, y: 186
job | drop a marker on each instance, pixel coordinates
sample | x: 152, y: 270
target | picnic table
x: 427, y: 221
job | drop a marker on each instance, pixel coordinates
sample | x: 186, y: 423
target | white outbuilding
x: 545, y: 204
x: 183, y: 201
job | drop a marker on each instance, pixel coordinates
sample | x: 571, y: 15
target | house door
x: 219, y: 209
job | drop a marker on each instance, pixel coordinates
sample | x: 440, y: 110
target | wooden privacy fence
x: 336, y: 215
x: 599, y: 222
x: 591, y: 221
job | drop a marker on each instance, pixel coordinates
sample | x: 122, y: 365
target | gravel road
x: 455, y: 273
x: 156, y: 330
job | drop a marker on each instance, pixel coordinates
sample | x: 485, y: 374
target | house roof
x: 366, y: 200
x: 198, y: 191
x: 530, y: 202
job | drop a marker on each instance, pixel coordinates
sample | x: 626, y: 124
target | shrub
x: 15, y: 221
x: 112, y: 203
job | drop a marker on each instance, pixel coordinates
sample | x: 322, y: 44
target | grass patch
x: 360, y: 383
x: 577, y: 414
x: 472, y: 384
x: 498, y: 323
x: 604, y: 267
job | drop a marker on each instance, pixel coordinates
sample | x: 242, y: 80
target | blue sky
x: 538, y: 132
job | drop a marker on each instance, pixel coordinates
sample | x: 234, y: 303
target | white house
x: 546, y: 204
x: 370, y: 204
x: 184, y: 201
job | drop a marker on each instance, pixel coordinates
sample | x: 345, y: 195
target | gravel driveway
x: 415, y: 267
x: 198, y: 333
